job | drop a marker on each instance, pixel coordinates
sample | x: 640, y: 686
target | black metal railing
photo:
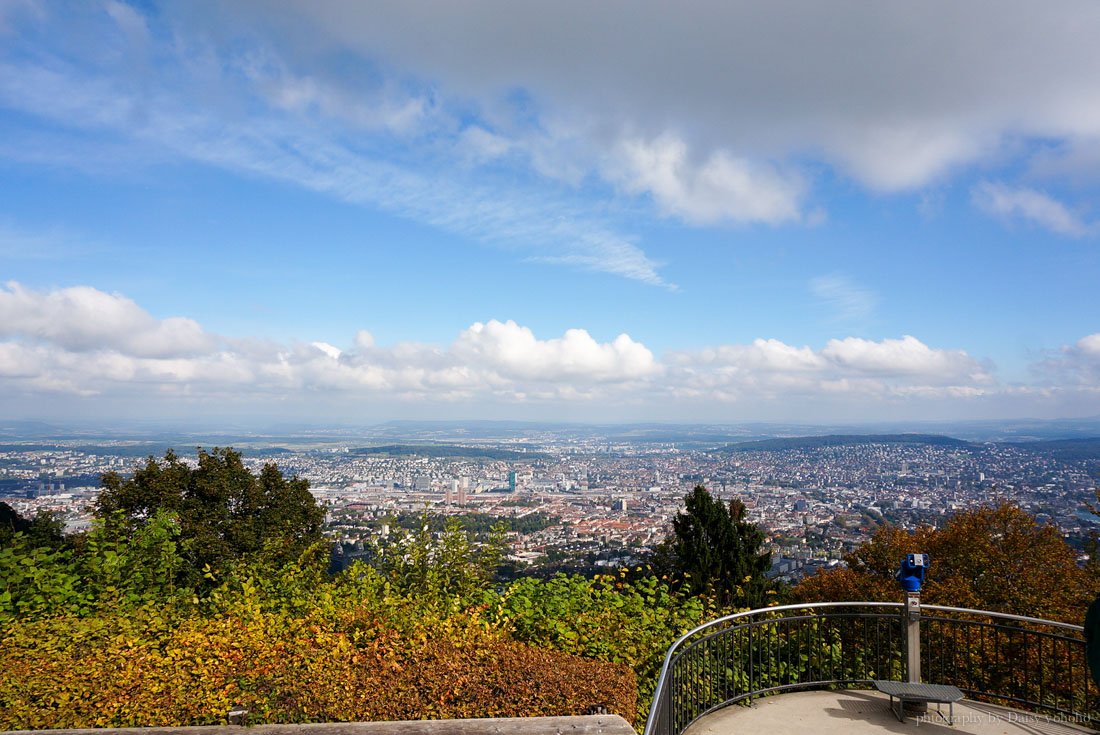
x: 1005, y: 659
x: 1011, y: 660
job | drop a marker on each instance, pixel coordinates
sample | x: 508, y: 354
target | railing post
x: 912, y: 649
x: 752, y: 678
x: 912, y: 636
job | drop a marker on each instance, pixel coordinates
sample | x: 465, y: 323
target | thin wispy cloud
x: 1032, y: 206
x: 299, y: 141
x: 19, y: 243
x: 844, y: 300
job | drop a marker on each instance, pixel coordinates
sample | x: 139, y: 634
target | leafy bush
x: 109, y: 572
x: 141, y: 670
x: 606, y: 618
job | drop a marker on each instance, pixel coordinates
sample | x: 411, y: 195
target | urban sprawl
x: 606, y: 503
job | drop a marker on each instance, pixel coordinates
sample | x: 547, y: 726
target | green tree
x: 713, y: 550
x: 225, y: 512
x: 43, y: 530
x: 448, y: 568
x: 105, y: 572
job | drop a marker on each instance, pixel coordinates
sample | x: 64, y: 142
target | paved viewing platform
x: 859, y: 712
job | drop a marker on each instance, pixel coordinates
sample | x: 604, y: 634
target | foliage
x: 713, y: 550
x: 142, y: 670
x: 447, y: 570
x: 607, y: 618
x: 225, y: 512
x: 200, y: 588
x: 109, y: 572
x: 991, y: 558
x: 42, y: 530
x: 479, y: 524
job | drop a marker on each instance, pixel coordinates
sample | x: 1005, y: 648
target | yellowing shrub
x: 119, y: 671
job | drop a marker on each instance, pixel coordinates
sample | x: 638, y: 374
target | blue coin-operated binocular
x: 912, y: 571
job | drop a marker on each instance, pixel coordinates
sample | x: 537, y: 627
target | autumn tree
x: 225, y: 511
x: 990, y: 558
x: 713, y: 550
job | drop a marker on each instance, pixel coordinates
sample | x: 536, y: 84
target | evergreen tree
x: 713, y: 550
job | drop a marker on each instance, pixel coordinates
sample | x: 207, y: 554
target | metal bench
x: 925, y: 693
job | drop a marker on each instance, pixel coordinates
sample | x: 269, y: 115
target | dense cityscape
x: 589, y: 501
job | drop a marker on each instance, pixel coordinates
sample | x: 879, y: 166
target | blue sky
x: 338, y: 211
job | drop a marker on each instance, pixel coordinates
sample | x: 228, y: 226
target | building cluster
x: 615, y: 500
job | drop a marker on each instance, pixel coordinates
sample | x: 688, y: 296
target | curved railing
x: 1006, y: 659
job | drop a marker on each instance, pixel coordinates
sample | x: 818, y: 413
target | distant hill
x: 1067, y: 450
x: 446, y: 450
x: 843, y: 440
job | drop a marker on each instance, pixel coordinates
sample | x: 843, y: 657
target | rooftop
x: 859, y: 712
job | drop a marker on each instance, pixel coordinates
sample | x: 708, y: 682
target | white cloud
x: 1075, y: 366
x: 515, y: 352
x: 330, y: 350
x: 85, y: 342
x: 721, y: 188
x: 392, y: 107
x: 315, y: 132
x: 1090, y: 345
x: 907, y: 356
x: 477, y: 145
x: 863, y: 369
x: 1034, y: 206
x: 903, y: 156
x: 760, y: 355
x: 83, y: 319
x: 898, y: 97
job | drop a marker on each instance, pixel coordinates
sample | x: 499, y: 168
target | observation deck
x: 864, y: 712
x: 1018, y: 674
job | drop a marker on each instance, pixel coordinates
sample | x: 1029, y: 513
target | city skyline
x: 331, y: 211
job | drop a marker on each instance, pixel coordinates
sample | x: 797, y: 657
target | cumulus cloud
x: 761, y: 354
x: 103, y: 348
x: 1072, y: 367
x: 1009, y: 202
x: 83, y: 319
x: 870, y: 370
x: 86, y: 341
x: 514, y: 351
x: 907, y: 356
x: 1090, y: 345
